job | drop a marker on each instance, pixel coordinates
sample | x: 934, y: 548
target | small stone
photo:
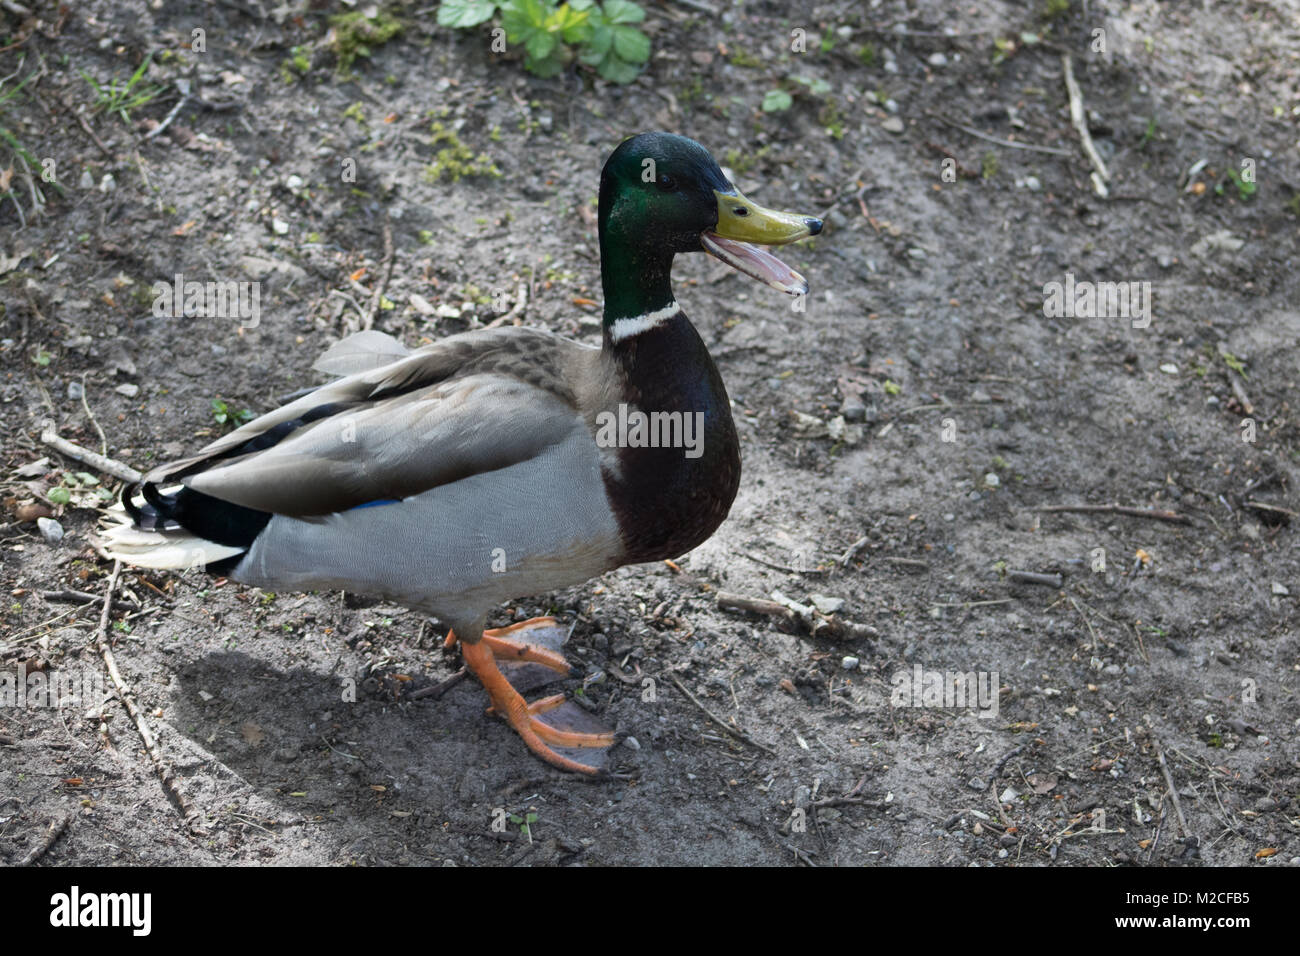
x: 853, y: 410
x: 975, y: 783
x: 86, y: 181
x: 1033, y: 184
x: 108, y: 183
x: 631, y: 743
x: 294, y: 183
x: 1169, y: 368
x: 916, y: 252
x: 850, y: 663
x: 892, y: 124
x: 1280, y: 588
x: 1008, y: 796
x: 825, y: 603
x: 129, y: 389
x: 50, y: 530
x: 891, y: 106
x: 279, y: 227
x: 937, y: 59
x: 76, y: 391
x: 991, y: 480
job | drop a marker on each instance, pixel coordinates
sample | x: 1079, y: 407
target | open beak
x: 742, y: 223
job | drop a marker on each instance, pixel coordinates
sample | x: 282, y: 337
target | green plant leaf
x: 623, y: 11
x: 774, y: 101
x: 465, y: 13
x: 59, y: 496
x: 540, y: 44
x: 631, y: 44
x: 617, y: 70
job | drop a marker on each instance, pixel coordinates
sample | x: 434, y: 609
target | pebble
x: 76, y: 391
x: 892, y: 124
x: 108, y: 183
x: 937, y: 59
x: 991, y: 480
x: 86, y: 181
x: 1280, y: 588
x: 1169, y: 368
x: 975, y: 783
x: 631, y: 743
x: 850, y: 663
x: 279, y: 227
x: 50, y: 530
x: 129, y: 389
x: 853, y: 410
x: 825, y: 603
x: 1008, y: 796
x: 1033, y: 184
x: 295, y: 183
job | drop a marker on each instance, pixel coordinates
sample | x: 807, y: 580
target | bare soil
x: 923, y: 408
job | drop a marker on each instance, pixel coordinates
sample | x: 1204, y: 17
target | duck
x: 495, y: 463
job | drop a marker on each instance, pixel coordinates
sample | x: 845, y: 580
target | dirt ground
x: 900, y: 437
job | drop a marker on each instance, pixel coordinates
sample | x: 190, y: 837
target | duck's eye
x: 666, y: 182
x: 740, y: 211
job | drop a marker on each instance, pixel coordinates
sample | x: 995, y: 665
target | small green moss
x: 867, y: 54
x: 989, y: 165
x: 745, y: 60
x: 455, y: 160
x: 356, y: 34
x: 425, y: 237
x: 1055, y: 8
x: 296, y: 66
x: 356, y: 113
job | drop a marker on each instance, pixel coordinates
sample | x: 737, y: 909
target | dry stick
x: 1173, y: 792
x: 1009, y: 143
x: 101, y: 463
x: 1260, y: 506
x: 385, y: 271
x: 103, y: 440
x: 852, y: 551
x: 165, y: 774
x: 1033, y: 577
x: 1152, y: 513
x: 1100, y: 177
x: 55, y: 831
x: 437, y: 690
x: 738, y: 734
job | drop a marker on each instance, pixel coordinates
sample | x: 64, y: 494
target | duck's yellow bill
x: 741, y: 224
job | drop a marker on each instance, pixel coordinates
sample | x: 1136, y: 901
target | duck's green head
x: 661, y: 194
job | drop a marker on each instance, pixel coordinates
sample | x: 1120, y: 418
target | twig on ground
x: 1173, y: 793
x: 813, y: 622
x: 1009, y: 143
x: 1100, y: 177
x: 51, y: 835
x: 385, y: 271
x: 165, y: 774
x: 738, y: 734
x: 437, y: 690
x: 1151, y: 513
x: 101, y: 463
x: 1033, y: 577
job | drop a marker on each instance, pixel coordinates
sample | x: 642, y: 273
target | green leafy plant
x: 525, y: 823
x: 1245, y: 188
x: 775, y: 101
x: 122, y: 98
x: 222, y: 415
x: 553, y: 35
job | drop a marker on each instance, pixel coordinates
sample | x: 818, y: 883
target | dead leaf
x: 6, y: 177
x: 251, y: 733
x: 1265, y: 853
x: 1042, y: 782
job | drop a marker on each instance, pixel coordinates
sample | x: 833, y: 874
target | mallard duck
x: 496, y: 463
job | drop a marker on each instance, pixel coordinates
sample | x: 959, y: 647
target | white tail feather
x: 160, y: 550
